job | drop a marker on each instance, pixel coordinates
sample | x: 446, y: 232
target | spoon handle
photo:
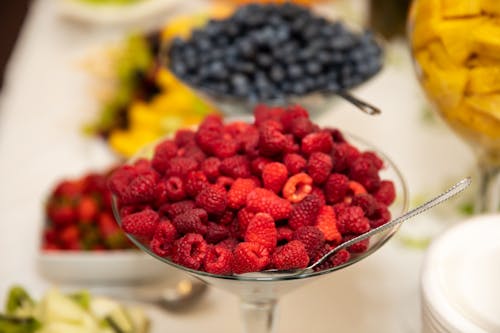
x: 452, y: 191
x: 362, y: 105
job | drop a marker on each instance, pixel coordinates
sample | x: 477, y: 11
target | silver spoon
x: 360, y: 104
x: 452, y: 191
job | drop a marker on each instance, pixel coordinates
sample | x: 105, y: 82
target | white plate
x: 114, y: 14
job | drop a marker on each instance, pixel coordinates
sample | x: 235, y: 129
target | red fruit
x: 367, y: 203
x: 291, y: 146
x: 262, y: 230
x: 258, y: 164
x: 213, y: 198
x: 164, y: 152
x: 386, y: 192
x: 271, y: 140
x: 250, y: 257
x: 297, y: 187
x: 181, y: 166
x: 317, y: 142
x: 210, y: 167
x: 61, y: 215
x: 225, y: 147
x: 340, y: 258
x: 191, y: 221
x: 237, y: 166
x: 69, y: 189
x: 364, y: 172
x: 244, y: 217
x: 327, y: 223
x: 237, y: 195
x: 358, y: 247
x: 226, y: 218
x: 120, y: 178
x: 229, y: 243
x: 319, y: 192
x: 69, y: 236
x: 216, y: 233
x: 319, y: 167
x: 293, y: 113
x: 264, y: 201
x: 141, y: 224
x: 290, y: 256
x: 294, y: 163
x: 305, y: 212
x: 218, y: 260
x: 195, y: 182
x: 225, y: 182
x: 174, y: 188
x: 285, y: 234
x: 377, y: 161
x: 352, y: 220
x: 343, y: 154
x: 173, y: 209
x: 312, y: 238
x: 184, y: 137
x: 190, y: 251
x: 355, y: 188
x: 336, y: 188
x: 141, y: 189
x: 192, y: 151
x: 274, y: 176
x: 163, y: 239
x: 337, y: 135
x: 249, y: 141
x: 337, y: 259
x: 382, y: 215
x: 263, y: 113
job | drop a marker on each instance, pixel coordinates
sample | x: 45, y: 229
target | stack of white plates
x: 460, y: 282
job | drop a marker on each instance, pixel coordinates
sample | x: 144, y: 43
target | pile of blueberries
x: 271, y: 52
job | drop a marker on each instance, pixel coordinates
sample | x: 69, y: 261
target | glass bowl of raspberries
x: 229, y: 198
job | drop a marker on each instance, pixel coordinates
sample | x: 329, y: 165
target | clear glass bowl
x: 259, y: 295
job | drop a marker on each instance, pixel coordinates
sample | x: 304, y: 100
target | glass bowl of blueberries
x: 277, y: 54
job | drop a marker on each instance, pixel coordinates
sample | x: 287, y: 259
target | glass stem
x: 258, y: 316
x: 488, y: 198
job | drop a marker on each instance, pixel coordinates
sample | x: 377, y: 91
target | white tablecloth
x: 46, y: 100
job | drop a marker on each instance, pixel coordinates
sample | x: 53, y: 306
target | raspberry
x: 341, y: 257
x: 319, y: 192
x: 195, y: 182
x: 141, y: 224
x: 337, y: 259
x: 262, y: 230
x: 290, y: 256
x: 364, y: 172
x: 226, y: 218
x: 336, y: 188
x: 190, y: 251
x: 213, y: 198
x: 218, y: 260
x: 337, y: 135
x: 271, y: 140
x: 237, y: 128
x: 229, y: 243
x: 258, y: 164
x: 367, y: 202
x: 191, y: 221
x: 319, y: 167
x: 237, y: 195
x: 386, y: 192
x: 358, y: 247
x: 212, y: 122
x: 173, y: 209
x: 327, y: 223
x: 352, y: 220
x: 181, y: 166
x: 249, y: 142
x: 373, y: 157
x: 210, y: 168
x: 305, y: 212
x: 274, y: 176
x: 175, y: 189
x: 294, y: 163
x: 317, y: 142
x: 263, y: 113
x: 184, y: 137
x: 141, y: 189
x: 163, y: 239
x: 297, y: 187
x: 192, y: 151
x: 291, y: 147
x: 225, y: 182
x: 293, y: 113
x: 207, y: 138
x: 236, y: 167
x: 382, y: 215
x: 164, y: 152
x: 285, y: 235
x: 216, y: 233
x: 131, y: 209
x: 160, y: 193
x: 311, y: 237
x: 244, y: 217
x: 250, y: 257
x: 356, y: 188
x: 300, y: 127
x: 265, y: 201
x: 223, y: 148
x: 343, y: 154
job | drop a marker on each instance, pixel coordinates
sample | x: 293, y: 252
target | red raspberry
x: 184, y: 137
x: 263, y: 113
x: 181, y: 166
x: 192, y: 151
x: 352, y: 220
x: 337, y: 135
x: 211, y: 122
x: 87, y: 209
x: 224, y: 148
x: 258, y: 164
x: 262, y: 230
x: 225, y: 182
x: 317, y: 142
x: 336, y: 188
x: 274, y: 176
x: 237, y: 195
x: 190, y: 251
x: 305, y: 212
x: 319, y: 167
x: 216, y: 233
x: 213, y: 198
x: 382, y: 215
x: 337, y: 259
x: 300, y: 127
x: 364, y: 172
x: 290, y: 256
x: 175, y: 189
x: 226, y: 218
x: 195, y: 182
x: 341, y: 257
x: 173, y: 209
x: 160, y: 193
x: 297, y: 187
x: 285, y: 234
x: 319, y: 192
x: 343, y: 154
x: 355, y: 188
x: 237, y: 128
x: 292, y: 113
x: 191, y: 221
x: 229, y: 243
x: 244, y: 217
x: 236, y: 167
x: 291, y: 146
x: 207, y: 138
x: 367, y: 202
x: 249, y: 142
x: 210, y: 168
x: 265, y: 201
x: 311, y: 237
x: 141, y: 224
x: 386, y: 192
x: 250, y: 257
x: 131, y: 209
x: 327, y: 223
x: 164, y: 152
x: 163, y: 239
x: 271, y: 140
x: 358, y: 247
x: 294, y: 163
x: 141, y: 189
x: 61, y: 214
x: 375, y: 159
x: 218, y: 260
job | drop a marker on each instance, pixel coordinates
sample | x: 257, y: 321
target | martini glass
x: 259, y: 295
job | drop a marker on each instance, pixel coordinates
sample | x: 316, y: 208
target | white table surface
x: 46, y: 99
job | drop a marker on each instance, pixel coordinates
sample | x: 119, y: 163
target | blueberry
x: 295, y: 71
x: 333, y: 86
x: 299, y: 88
x: 264, y: 60
x: 313, y: 68
x: 246, y: 67
x: 179, y: 68
x: 277, y: 73
x: 218, y: 71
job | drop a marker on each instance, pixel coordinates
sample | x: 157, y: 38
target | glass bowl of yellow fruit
x: 456, y: 49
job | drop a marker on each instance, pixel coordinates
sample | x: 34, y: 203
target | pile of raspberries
x: 238, y: 197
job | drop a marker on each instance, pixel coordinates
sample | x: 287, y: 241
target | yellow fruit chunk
x: 143, y: 116
x: 460, y: 8
x: 484, y: 80
x: 487, y: 104
x: 457, y: 38
x: 424, y: 18
x: 491, y: 6
x: 481, y: 61
x: 486, y: 39
x: 127, y: 143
